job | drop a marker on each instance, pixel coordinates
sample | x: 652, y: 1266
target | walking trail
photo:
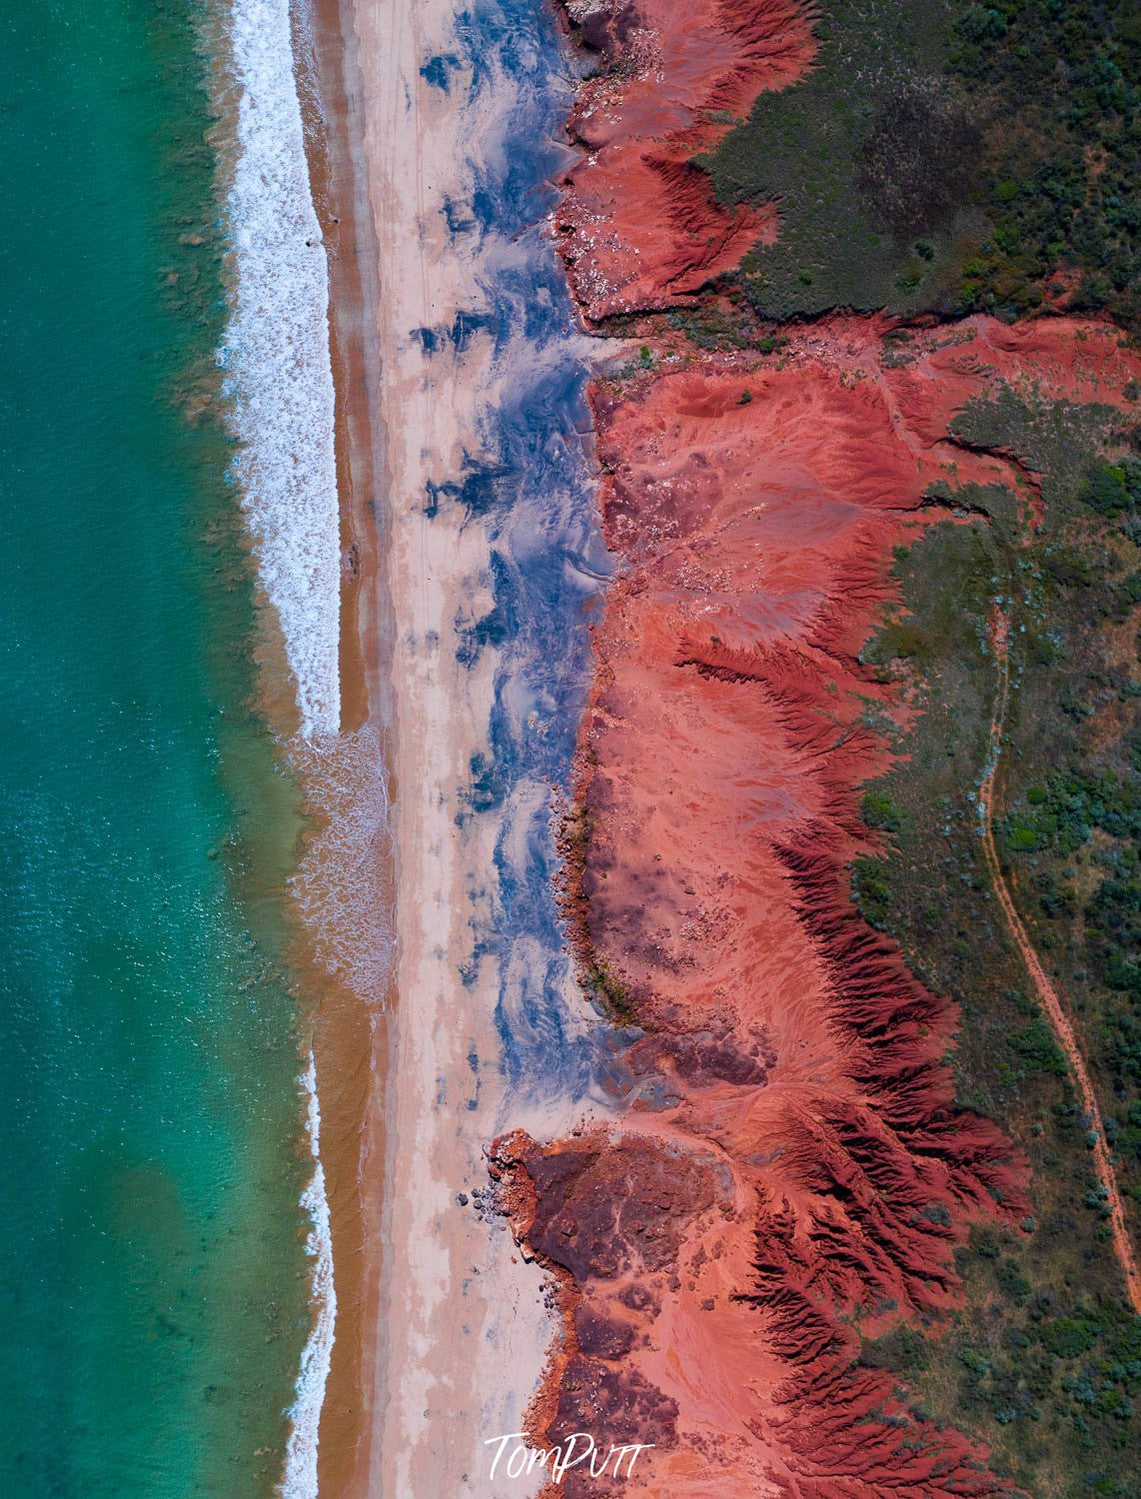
x: 1047, y: 995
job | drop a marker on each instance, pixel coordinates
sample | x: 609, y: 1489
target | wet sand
x: 350, y: 786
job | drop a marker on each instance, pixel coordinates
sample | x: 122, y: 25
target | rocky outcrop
x: 790, y: 1161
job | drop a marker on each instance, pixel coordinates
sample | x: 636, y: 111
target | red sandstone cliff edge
x: 790, y: 1159
x: 638, y: 223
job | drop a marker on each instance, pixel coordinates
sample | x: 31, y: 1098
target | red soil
x: 639, y: 226
x: 790, y: 1155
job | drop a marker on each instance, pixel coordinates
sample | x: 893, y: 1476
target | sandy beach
x: 449, y: 1017
x: 459, y: 1317
x: 442, y: 1331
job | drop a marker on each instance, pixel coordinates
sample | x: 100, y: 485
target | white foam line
x: 277, y: 360
x: 300, y: 1478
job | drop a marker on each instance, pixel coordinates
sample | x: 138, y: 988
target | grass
x: 1044, y: 1362
x: 802, y: 147
x: 948, y: 157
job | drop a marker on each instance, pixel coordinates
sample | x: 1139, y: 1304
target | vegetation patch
x: 950, y: 157
x: 1043, y: 1361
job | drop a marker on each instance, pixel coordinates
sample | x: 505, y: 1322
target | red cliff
x: 790, y: 1159
x: 638, y: 224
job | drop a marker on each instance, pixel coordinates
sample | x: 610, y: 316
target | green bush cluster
x: 1050, y: 1364
x: 1114, y: 489
x: 879, y: 811
x: 1058, y: 818
x: 1061, y: 814
x: 1113, y: 928
x: 948, y: 156
x: 871, y: 889
x: 902, y: 1351
x: 1037, y: 1049
x: 1059, y: 81
x: 1043, y: 1359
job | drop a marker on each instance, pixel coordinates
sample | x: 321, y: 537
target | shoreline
x: 443, y: 1327
x: 455, y: 1316
x: 281, y: 407
x: 337, y: 898
x: 349, y: 1021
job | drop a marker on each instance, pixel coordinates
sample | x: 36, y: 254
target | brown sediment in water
x: 333, y: 147
x: 342, y: 886
x: 348, y: 1023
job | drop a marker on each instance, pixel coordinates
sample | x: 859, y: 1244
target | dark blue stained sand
x: 430, y: 340
x: 497, y: 627
x: 532, y: 489
x: 436, y: 70
x: 467, y: 324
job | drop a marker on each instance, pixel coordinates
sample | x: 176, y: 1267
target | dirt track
x: 1047, y: 995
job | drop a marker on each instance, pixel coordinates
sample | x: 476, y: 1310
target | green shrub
x: 871, y: 889
x: 1067, y: 1337
x: 879, y: 811
x: 1113, y: 488
x: 902, y: 1351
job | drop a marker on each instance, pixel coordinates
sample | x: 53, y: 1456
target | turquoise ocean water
x: 154, y: 1290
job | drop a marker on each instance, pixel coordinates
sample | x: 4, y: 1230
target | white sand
x: 462, y: 1332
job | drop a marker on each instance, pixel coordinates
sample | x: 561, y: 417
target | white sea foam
x: 342, y: 887
x: 300, y: 1479
x: 277, y: 359
x: 279, y: 387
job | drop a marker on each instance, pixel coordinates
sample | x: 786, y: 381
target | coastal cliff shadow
x: 531, y: 489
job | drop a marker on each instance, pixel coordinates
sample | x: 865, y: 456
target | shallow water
x: 155, y: 1292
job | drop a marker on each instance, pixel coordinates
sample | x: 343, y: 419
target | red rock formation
x: 639, y: 226
x: 790, y: 1158
x: 790, y: 1155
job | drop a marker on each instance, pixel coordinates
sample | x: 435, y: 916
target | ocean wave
x: 278, y: 384
x: 276, y: 357
x: 300, y: 1478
